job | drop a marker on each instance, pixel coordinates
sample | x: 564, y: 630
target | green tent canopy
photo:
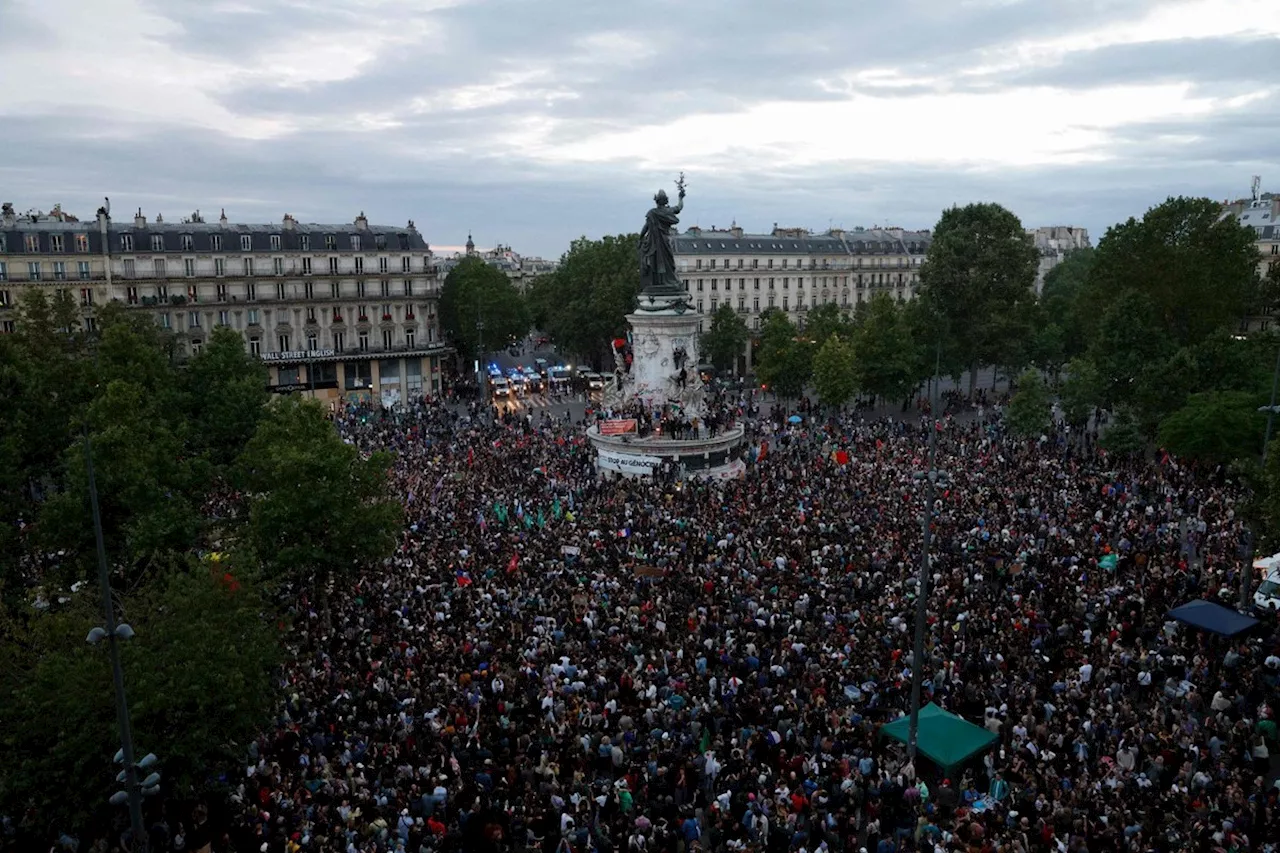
x: 944, y: 738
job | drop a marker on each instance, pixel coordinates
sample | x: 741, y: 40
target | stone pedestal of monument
x: 664, y: 342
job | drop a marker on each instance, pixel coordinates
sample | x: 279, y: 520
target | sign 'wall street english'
x: 298, y: 355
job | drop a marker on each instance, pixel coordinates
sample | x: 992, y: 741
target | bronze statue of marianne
x: 657, y: 262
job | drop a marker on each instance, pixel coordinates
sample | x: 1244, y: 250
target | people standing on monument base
x: 556, y: 663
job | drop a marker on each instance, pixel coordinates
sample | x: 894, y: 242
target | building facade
x: 1054, y: 243
x: 1261, y: 213
x: 338, y: 311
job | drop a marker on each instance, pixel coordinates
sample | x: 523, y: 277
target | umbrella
x: 794, y: 419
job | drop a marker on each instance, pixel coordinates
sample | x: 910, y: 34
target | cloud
x: 532, y: 122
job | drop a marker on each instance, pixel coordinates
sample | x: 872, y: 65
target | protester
x: 557, y: 663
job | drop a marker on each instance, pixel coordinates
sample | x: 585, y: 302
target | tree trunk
x: 973, y: 378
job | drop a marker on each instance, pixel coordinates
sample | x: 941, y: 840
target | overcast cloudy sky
x: 531, y: 122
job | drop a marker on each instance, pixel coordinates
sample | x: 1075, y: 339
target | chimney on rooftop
x: 362, y: 224
x: 139, y: 221
x: 289, y: 222
x: 222, y: 220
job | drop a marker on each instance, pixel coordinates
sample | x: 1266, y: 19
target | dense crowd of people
x: 551, y: 662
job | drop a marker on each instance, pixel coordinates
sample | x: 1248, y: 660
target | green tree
x: 1195, y: 269
x: 1059, y: 299
x: 475, y: 291
x: 1127, y: 340
x: 1215, y: 427
x: 785, y: 361
x: 1123, y: 436
x: 227, y: 396
x: 583, y: 305
x: 1028, y: 413
x: 886, y: 356
x: 1081, y: 392
x: 199, y: 674
x: 978, y: 274
x: 725, y: 339
x: 833, y: 372
x: 827, y: 319
x: 316, y: 509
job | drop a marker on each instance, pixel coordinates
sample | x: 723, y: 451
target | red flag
x: 842, y: 457
x: 514, y: 563
x: 471, y: 456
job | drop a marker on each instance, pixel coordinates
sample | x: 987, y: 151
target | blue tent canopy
x: 1213, y: 617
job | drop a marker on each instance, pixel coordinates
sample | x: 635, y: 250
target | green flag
x: 542, y: 521
x: 555, y: 508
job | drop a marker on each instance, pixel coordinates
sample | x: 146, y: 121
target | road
x: 574, y: 404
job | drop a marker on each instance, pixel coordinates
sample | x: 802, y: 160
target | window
x: 363, y: 313
x: 55, y: 243
x: 189, y: 267
x: 699, y: 306
x: 166, y: 321
x: 359, y: 266
x: 382, y: 264
x: 771, y: 263
x: 311, y: 342
x: 158, y: 265
x: 32, y: 243
x: 250, y: 291
x: 339, y: 341
x: 219, y: 267
x: 188, y: 243
x: 4, y: 244
x: 196, y: 346
x: 715, y: 303
x: 742, y: 304
x: 224, y: 318
x: 215, y: 242
x: 387, y: 337
x: 246, y: 242
x: 698, y: 264
x: 786, y: 283
x: 306, y: 266
x: 355, y: 242
x: 251, y: 316
x: 193, y: 319
x: 333, y: 266
x: 275, y: 242
x: 8, y: 327
x: 221, y: 290
x: 157, y: 242
x: 4, y: 299
x: 4, y: 271
x: 309, y: 289
x: 784, y: 303
x: 408, y: 338
x: 280, y: 293
x: 82, y: 243
x: 82, y: 269
x: 162, y: 292
x: 283, y: 342
x: 386, y: 311
x: 408, y: 287
x: 59, y: 270
x: 385, y: 287
x: 755, y: 263
x: 255, y: 346
x: 360, y: 289
x: 335, y: 290
x: 755, y: 304
x: 408, y: 312
x: 91, y: 324
x: 33, y: 270
x: 330, y: 242
x: 193, y: 294
x: 277, y: 266
x: 311, y: 313
x: 304, y: 242
x: 248, y: 266
x: 406, y: 261
x: 364, y: 342
x: 126, y: 242
x: 426, y: 264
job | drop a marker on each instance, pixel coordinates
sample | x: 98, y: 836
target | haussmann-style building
x: 337, y: 311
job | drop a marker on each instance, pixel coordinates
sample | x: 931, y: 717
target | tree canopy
x: 887, y: 358
x: 978, y: 277
x: 583, y: 305
x: 1028, y: 413
x: 474, y: 292
x: 725, y: 338
x: 834, y: 376
x: 785, y: 360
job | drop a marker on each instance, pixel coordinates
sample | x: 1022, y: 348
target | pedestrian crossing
x: 527, y: 402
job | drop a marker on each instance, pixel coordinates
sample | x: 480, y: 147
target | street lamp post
x: 114, y: 633
x: 931, y: 477
x: 1246, y: 577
